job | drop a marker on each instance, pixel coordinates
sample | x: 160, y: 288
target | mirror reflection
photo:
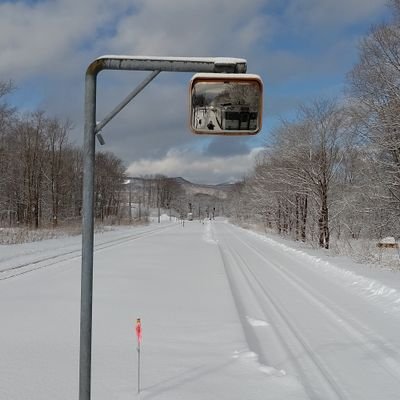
x: 226, y: 107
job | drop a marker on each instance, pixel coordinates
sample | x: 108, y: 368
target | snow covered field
x: 226, y: 314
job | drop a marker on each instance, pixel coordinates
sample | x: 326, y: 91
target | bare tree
x: 299, y: 169
x: 109, y: 179
x: 57, y: 142
x: 374, y: 84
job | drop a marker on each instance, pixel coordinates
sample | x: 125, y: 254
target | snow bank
x: 372, y: 288
x: 388, y: 240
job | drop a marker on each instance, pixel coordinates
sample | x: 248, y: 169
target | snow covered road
x: 226, y: 314
x: 339, y: 344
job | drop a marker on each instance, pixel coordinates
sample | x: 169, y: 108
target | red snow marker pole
x: 139, y: 341
x: 139, y: 331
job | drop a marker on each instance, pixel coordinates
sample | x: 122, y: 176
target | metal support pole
x: 138, y: 376
x: 154, y: 64
x: 130, y: 201
x: 85, y: 355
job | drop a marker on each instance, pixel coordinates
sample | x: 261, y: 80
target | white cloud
x: 311, y: 14
x: 45, y: 37
x: 177, y: 27
x: 55, y: 36
x: 196, y: 167
x: 48, y: 44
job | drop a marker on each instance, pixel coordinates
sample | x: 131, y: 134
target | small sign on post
x: 139, y: 341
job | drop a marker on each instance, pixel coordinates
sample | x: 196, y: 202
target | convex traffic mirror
x: 226, y: 104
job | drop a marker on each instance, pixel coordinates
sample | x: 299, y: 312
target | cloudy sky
x: 302, y: 49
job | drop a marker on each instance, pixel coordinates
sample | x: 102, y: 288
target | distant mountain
x: 220, y: 190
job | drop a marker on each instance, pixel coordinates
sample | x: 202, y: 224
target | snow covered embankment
x: 372, y: 288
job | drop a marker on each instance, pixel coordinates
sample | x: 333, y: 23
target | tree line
x: 334, y: 169
x: 168, y: 195
x: 41, y: 171
x: 153, y: 192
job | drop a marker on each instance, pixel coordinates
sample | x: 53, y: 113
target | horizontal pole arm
x: 172, y: 64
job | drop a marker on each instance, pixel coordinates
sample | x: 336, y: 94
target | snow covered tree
x: 374, y: 84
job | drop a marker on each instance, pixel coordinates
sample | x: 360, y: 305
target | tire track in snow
x: 371, y: 355
x: 369, y: 287
x: 277, y: 315
x: 371, y: 341
x: 251, y: 338
x: 28, y: 267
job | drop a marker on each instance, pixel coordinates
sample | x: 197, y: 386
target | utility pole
x: 118, y: 63
x: 130, y: 201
